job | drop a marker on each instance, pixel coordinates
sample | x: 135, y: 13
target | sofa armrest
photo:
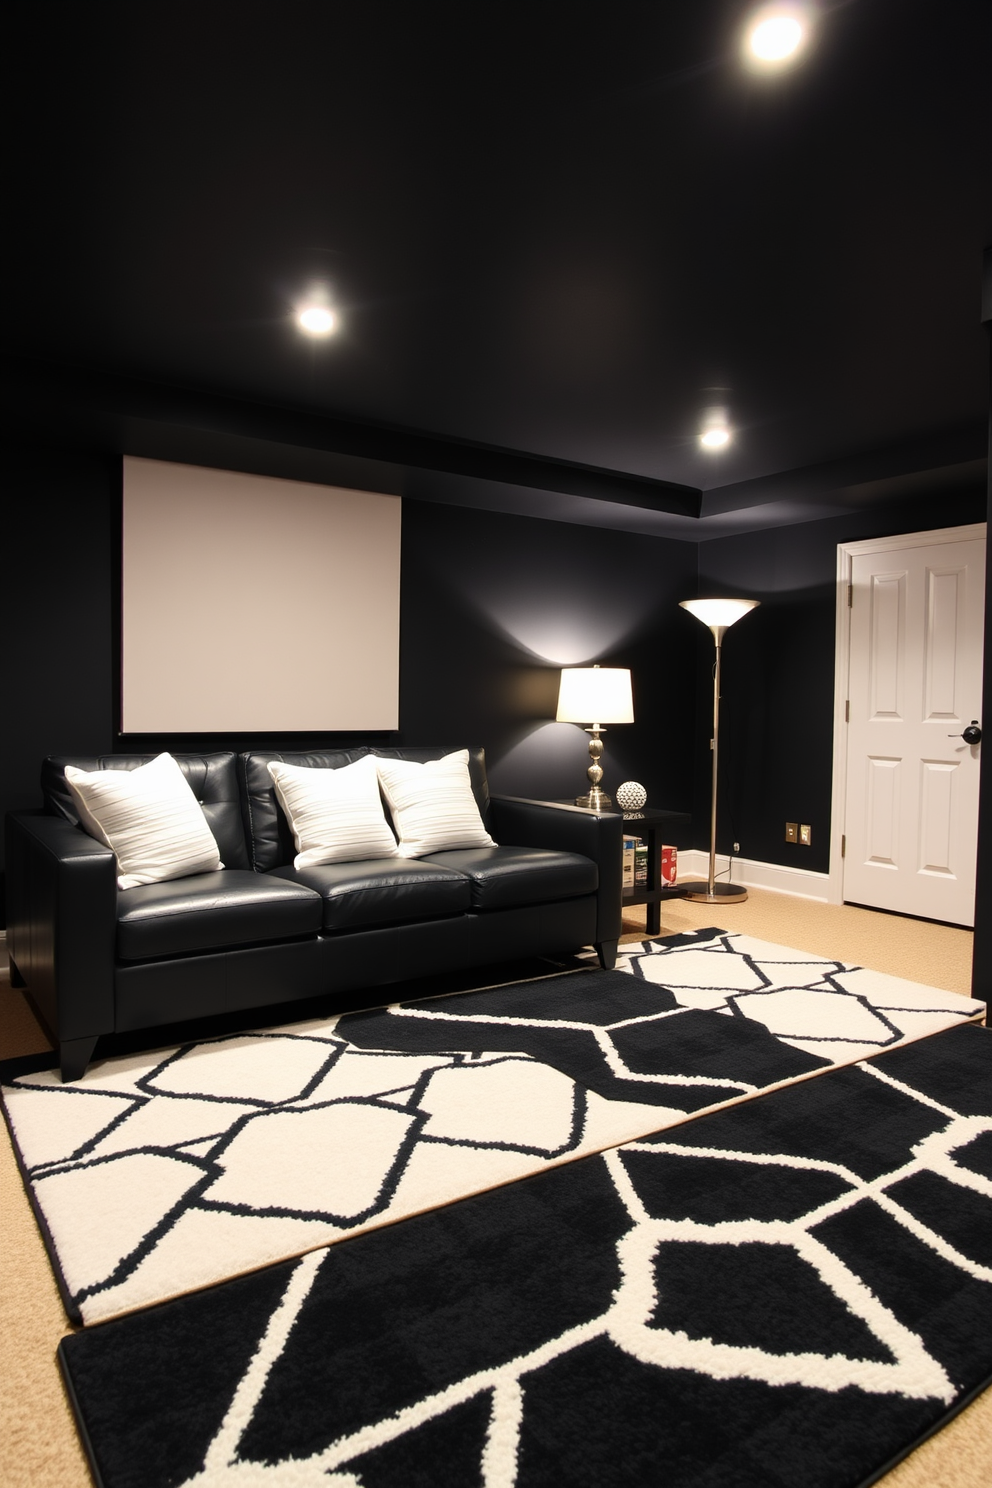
x: 62, y: 923
x: 597, y: 835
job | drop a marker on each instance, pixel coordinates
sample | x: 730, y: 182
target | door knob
x: 971, y: 735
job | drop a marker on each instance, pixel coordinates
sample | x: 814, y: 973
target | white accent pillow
x: 432, y: 804
x: 336, y: 815
x: 148, y: 817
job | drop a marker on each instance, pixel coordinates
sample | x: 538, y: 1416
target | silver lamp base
x: 596, y: 800
x: 698, y: 890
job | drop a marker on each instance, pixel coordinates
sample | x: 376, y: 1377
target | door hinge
x: 847, y: 710
x: 850, y: 596
x: 843, y: 847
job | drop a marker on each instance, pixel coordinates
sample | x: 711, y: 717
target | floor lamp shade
x: 594, y: 696
x: 717, y: 615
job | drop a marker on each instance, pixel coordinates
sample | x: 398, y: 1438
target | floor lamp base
x: 698, y: 891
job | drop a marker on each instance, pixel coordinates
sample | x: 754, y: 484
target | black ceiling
x: 555, y: 228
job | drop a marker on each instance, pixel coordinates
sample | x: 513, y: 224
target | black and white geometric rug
x: 833, y: 1008
x: 792, y: 1291
x: 160, y: 1173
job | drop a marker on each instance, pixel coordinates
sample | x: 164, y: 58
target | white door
x: 914, y: 683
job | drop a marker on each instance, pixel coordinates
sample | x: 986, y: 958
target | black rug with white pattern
x: 790, y: 1291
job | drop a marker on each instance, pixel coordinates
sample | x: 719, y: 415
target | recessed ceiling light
x: 714, y: 426
x: 316, y: 320
x: 775, y: 35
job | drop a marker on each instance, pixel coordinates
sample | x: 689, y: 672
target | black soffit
x: 99, y: 409
x: 103, y: 412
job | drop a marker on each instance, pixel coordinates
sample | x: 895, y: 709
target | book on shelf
x: 669, y: 866
x: 629, y: 856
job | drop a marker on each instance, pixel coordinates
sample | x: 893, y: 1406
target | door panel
x: 945, y: 616
x: 911, y: 819
x: 883, y: 810
x: 887, y: 640
x: 937, y: 800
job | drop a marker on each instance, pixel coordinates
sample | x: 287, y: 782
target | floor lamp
x: 718, y: 615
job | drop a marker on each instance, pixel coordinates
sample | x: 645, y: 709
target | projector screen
x: 256, y: 605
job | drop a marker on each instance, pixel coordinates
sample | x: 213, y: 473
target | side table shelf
x: 651, y: 825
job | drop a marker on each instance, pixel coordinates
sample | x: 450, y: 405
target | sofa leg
x: 74, y: 1056
x: 606, y: 950
x: 16, y: 980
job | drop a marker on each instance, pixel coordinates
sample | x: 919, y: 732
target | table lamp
x: 593, y: 696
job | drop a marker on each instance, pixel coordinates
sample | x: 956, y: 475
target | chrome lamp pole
x: 718, y: 615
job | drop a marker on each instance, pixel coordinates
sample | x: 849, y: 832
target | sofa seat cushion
x: 507, y: 877
x: 382, y: 891
x: 210, y: 911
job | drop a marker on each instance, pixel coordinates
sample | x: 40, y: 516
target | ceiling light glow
x: 777, y: 38
x: 775, y: 35
x: 714, y: 428
x: 316, y: 320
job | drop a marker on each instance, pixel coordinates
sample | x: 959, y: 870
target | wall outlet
x: 791, y: 832
x: 805, y: 835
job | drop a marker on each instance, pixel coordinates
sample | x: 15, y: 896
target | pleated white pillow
x: 432, y: 804
x: 336, y: 815
x: 149, y: 817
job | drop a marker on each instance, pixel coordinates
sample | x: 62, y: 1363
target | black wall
x: 492, y: 607
x: 776, y: 731
x: 58, y: 588
x: 981, y: 985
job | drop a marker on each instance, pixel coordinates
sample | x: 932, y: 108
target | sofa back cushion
x: 432, y: 804
x: 213, y: 779
x: 268, y: 832
x: 150, y: 820
x: 336, y: 815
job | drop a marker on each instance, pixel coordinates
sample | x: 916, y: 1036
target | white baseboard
x: 801, y: 882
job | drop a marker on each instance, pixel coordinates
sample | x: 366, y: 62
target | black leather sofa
x: 98, y: 960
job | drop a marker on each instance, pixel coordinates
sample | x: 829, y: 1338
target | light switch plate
x: 805, y: 834
x: 791, y: 832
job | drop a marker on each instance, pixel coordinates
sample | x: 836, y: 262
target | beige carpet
x: 38, y: 1444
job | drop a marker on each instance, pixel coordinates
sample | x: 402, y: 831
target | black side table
x: 652, y: 825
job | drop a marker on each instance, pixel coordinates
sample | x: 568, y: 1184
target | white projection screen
x: 256, y: 605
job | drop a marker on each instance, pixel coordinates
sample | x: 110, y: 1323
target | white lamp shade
x: 719, y: 612
x: 595, y: 695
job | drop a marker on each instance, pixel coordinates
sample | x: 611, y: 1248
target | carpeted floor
x: 40, y: 1446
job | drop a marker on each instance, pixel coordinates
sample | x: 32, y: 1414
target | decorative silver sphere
x: 631, y: 796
